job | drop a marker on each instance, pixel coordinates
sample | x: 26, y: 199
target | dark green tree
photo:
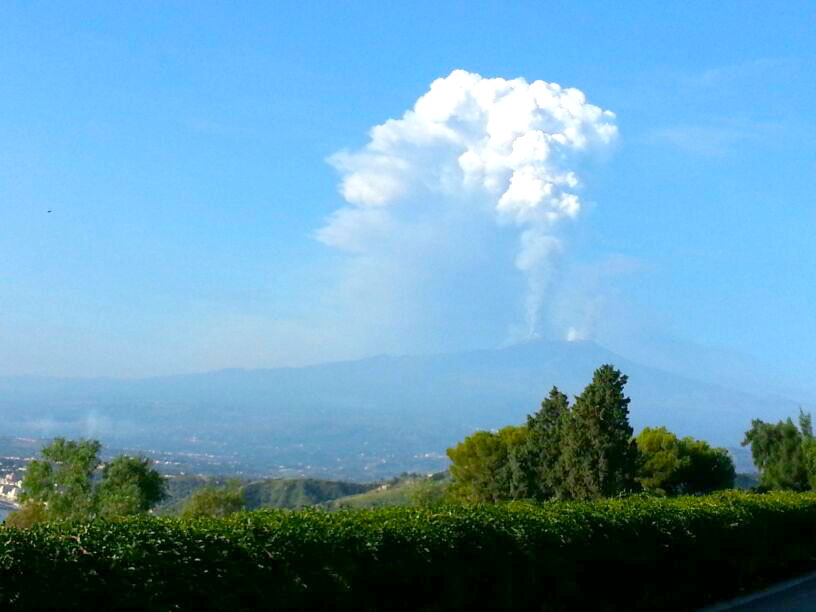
x: 782, y: 452
x: 129, y: 486
x: 535, y: 465
x: 707, y: 469
x: 671, y: 466
x: 600, y: 458
x: 659, y: 460
x: 62, y: 478
x: 65, y: 484
x: 480, y: 466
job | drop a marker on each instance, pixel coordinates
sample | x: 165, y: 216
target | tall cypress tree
x: 536, y: 464
x: 599, y: 455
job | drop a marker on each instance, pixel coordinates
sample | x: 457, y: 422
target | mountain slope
x: 363, y: 419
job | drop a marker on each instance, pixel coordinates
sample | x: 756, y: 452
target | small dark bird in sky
x: 50, y: 211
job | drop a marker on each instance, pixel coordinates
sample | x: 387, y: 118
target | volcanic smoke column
x: 505, y: 148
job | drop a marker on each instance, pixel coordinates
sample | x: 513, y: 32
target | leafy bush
x: 637, y: 553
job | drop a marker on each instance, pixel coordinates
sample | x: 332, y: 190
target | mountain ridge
x: 366, y: 418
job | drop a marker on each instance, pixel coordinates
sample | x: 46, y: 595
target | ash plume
x: 475, y: 160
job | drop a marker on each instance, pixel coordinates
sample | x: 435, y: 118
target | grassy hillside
x: 179, y: 488
x: 404, y: 491
x: 298, y: 493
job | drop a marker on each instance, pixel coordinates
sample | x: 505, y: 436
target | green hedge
x: 627, y: 554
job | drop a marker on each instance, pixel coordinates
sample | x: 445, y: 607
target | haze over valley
x: 270, y: 257
x: 364, y: 419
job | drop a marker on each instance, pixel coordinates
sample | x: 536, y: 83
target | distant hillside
x: 401, y: 491
x: 404, y: 490
x: 298, y: 493
x: 362, y: 420
x: 270, y: 493
x: 746, y: 481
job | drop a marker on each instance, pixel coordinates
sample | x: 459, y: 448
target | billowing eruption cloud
x: 506, y: 150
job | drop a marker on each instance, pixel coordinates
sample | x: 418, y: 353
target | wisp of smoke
x: 507, y: 149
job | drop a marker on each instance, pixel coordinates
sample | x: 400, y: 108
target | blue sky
x: 186, y: 149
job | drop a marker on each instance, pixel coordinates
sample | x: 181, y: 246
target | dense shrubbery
x: 634, y: 553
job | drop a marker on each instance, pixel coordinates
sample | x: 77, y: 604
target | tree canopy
x: 672, y: 466
x: 62, y: 478
x: 480, y: 465
x: 582, y: 451
x: 65, y: 483
x: 129, y: 486
x: 535, y: 464
x: 600, y: 457
x: 784, y: 454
